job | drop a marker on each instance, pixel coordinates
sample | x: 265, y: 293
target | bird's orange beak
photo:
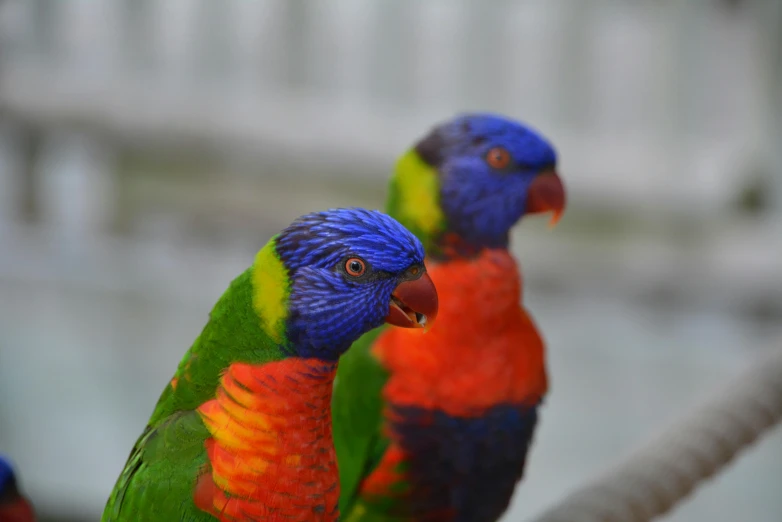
x: 413, y: 304
x: 547, y: 194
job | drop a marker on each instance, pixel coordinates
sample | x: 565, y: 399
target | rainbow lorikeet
x: 437, y: 428
x: 243, y: 430
x: 14, y: 507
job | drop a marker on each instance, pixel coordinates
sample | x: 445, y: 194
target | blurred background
x: 148, y: 148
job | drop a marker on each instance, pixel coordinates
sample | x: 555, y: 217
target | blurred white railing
x: 657, y: 105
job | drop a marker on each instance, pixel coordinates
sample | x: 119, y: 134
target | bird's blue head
x: 346, y: 271
x: 472, y: 178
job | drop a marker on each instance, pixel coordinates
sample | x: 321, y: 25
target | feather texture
x: 242, y: 432
x: 437, y: 427
x: 459, y: 403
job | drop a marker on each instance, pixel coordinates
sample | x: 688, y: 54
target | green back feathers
x: 357, y: 421
x: 246, y: 325
x: 414, y: 198
x: 157, y: 481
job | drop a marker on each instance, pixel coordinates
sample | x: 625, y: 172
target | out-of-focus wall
x: 637, y: 92
x: 148, y: 148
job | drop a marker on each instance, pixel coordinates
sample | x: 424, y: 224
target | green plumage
x: 358, y: 408
x: 159, y: 477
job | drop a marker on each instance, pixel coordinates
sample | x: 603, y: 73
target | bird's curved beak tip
x: 547, y: 194
x: 413, y: 304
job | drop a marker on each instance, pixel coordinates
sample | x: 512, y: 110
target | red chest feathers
x: 271, y: 451
x: 483, y: 350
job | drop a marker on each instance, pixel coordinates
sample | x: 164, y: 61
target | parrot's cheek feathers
x: 413, y: 304
x: 547, y: 194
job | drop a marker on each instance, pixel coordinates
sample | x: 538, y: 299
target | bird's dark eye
x: 414, y: 272
x: 355, y: 267
x: 498, y: 158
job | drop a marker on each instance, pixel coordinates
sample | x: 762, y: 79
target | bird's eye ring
x: 498, y: 158
x: 355, y: 267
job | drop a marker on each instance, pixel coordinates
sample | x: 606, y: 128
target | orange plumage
x: 271, y: 443
x: 482, y: 362
x: 484, y: 349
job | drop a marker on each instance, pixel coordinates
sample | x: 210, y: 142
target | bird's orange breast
x: 483, y: 350
x: 271, y: 452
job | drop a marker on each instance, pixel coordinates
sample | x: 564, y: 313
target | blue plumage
x: 314, y: 249
x: 477, y: 461
x: 320, y: 239
x: 6, y: 473
x: 482, y: 203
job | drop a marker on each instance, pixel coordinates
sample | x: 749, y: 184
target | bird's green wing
x: 159, y: 476
x: 357, y: 413
x: 163, y: 466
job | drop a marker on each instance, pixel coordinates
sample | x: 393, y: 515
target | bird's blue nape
x: 481, y: 203
x: 328, y: 310
x: 478, y: 132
